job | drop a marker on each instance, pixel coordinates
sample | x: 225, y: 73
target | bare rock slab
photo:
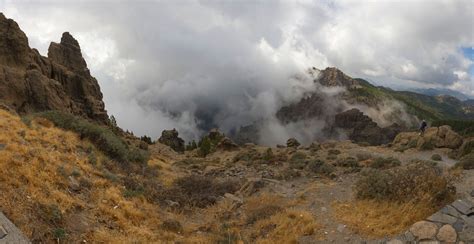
x: 424, y: 230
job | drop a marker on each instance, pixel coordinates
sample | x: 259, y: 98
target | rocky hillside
x: 30, y: 82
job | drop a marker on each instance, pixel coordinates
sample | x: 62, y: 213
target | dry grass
x: 39, y: 165
x: 378, y: 219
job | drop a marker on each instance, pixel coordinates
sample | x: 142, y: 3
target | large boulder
x: 30, y: 82
x: 171, y: 139
x: 434, y: 137
x: 362, y: 129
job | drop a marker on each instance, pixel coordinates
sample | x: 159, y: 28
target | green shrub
x: 466, y: 162
x: 334, y: 152
x: 385, y: 163
x: 101, y: 136
x: 413, y: 182
x: 467, y: 148
x: 205, y: 147
x: 463, y: 127
x: 263, y: 212
x: 320, y: 167
x: 436, y: 157
x: 298, y: 160
x: 349, y: 162
x: 426, y: 145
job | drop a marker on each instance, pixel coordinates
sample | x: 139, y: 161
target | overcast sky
x: 185, y: 63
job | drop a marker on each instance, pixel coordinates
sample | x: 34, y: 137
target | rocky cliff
x: 30, y: 82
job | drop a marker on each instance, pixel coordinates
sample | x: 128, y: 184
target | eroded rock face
x: 30, y: 82
x: 362, y: 129
x: 171, y: 139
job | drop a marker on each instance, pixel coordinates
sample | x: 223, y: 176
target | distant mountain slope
x: 360, y: 92
x: 442, y: 91
x: 423, y: 106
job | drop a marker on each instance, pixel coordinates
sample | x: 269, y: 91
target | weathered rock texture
x: 30, y: 82
x: 362, y: 129
x: 171, y: 139
x: 439, y: 137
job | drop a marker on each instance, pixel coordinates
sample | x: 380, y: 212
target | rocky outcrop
x: 332, y: 76
x: 171, y: 139
x: 30, y: 82
x: 292, y: 142
x: 362, y: 129
x: 227, y: 144
x: 434, y: 137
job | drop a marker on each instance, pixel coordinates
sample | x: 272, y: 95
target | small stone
x: 172, y: 204
x: 467, y: 234
x: 450, y: 210
x: 234, y: 198
x: 442, y: 218
x: 340, y: 228
x: 464, y: 206
x: 3, y: 232
x: 324, y: 209
x: 458, y: 225
x: 409, y: 237
x: 429, y: 242
x: 424, y: 230
x: 447, y: 234
x: 468, y: 220
x: 394, y: 241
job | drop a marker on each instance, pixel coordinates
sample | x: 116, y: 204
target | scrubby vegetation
x: 463, y: 127
x: 103, y: 137
x: 413, y: 182
x: 385, y: 163
x: 466, y: 162
x: 436, y: 157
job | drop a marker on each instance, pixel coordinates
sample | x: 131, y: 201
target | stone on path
x: 423, y: 230
x: 442, y: 218
x: 447, y: 234
x: 395, y: 242
x: 464, y: 206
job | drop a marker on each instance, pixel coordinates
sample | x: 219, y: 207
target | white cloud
x: 228, y: 63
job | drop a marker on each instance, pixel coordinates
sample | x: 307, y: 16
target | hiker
x: 423, y: 127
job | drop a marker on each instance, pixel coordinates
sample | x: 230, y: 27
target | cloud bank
x: 193, y: 65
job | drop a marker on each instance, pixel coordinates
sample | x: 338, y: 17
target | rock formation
x: 30, y: 82
x: 362, y: 129
x: 439, y: 137
x: 171, y: 139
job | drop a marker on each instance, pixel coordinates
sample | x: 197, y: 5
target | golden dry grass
x: 38, y: 164
x: 378, y: 219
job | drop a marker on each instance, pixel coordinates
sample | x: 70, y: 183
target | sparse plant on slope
x: 385, y: 163
x: 466, y: 162
x: 102, y: 137
x: 436, y: 157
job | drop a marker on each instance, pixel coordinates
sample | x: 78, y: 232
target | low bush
x: 426, y: 145
x: 101, y: 136
x: 196, y: 191
x: 436, y: 157
x: 334, y: 152
x: 385, y: 163
x: 467, y: 148
x: 466, y: 162
x: 298, y: 160
x: 263, y: 212
x: 320, y: 167
x: 349, y: 162
x: 413, y: 182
